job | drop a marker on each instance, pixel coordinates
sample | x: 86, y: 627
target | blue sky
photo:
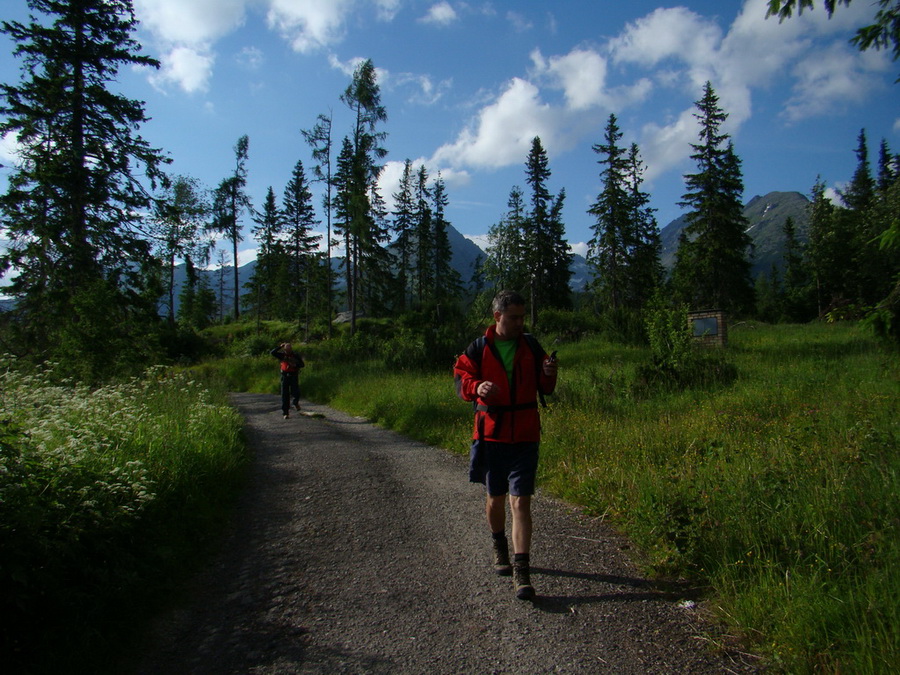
x: 467, y: 85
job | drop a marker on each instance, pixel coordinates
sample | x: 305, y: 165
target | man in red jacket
x: 503, y: 373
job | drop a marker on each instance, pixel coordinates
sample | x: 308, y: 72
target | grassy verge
x: 105, y: 497
x: 781, y: 489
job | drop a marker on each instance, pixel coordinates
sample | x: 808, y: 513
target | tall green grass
x: 779, y: 489
x: 105, y: 494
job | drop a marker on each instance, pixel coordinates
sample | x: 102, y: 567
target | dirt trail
x: 356, y: 550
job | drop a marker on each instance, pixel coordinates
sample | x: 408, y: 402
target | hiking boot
x: 502, y: 565
x: 522, y: 582
x: 287, y: 416
x: 297, y: 405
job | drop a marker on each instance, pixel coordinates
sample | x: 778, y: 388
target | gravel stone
x: 356, y: 550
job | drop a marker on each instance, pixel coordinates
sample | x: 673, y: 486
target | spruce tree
x: 424, y: 238
x: 270, y: 259
x: 404, y: 225
x: 827, y: 250
x: 307, y: 290
x: 230, y: 201
x: 76, y: 193
x: 797, y: 307
x: 645, y: 266
x: 546, y: 253
x: 712, y: 269
x: 625, y: 248
x: 342, y: 209
x: 505, y: 265
x: 447, y: 281
x: 607, y: 249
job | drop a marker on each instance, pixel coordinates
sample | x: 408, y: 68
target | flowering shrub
x: 92, y: 478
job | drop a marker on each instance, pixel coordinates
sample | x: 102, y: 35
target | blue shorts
x: 511, y: 468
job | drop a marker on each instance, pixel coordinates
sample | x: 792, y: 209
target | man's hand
x: 486, y: 389
x: 550, y: 367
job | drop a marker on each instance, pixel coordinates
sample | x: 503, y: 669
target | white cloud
x: 503, y: 131
x: 833, y: 194
x: 441, y: 14
x: 185, y: 67
x: 665, y: 147
x: 829, y: 79
x: 897, y: 125
x: 519, y: 23
x: 756, y: 48
x: 581, y: 74
x: 426, y: 91
x: 309, y: 24
x: 581, y: 248
x: 452, y: 177
x: 387, y: 9
x: 9, y: 149
x: 346, y: 67
x: 667, y: 33
x: 185, y: 31
x: 190, y: 22
x: 251, y: 58
x: 382, y: 76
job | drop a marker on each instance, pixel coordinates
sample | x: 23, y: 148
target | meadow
x: 770, y: 479
x: 778, y: 488
x: 108, y: 495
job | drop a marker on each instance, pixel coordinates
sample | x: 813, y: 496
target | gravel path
x: 356, y: 550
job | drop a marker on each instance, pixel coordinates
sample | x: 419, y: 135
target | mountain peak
x: 765, y: 215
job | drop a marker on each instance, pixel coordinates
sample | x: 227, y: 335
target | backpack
x: 477, y: 349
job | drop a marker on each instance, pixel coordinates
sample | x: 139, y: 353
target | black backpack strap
x: 538, y: 363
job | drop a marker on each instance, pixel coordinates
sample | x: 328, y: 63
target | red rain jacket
x: 512, y: 415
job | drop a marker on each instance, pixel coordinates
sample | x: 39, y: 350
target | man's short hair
x: 506, y: 299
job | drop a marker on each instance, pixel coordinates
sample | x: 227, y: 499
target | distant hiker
x: 291, y: 363
x: 503, y: 372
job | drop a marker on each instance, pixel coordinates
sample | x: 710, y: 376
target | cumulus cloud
x: 667, y: 33
x: 581, y: 74
x: 186, y: 67
x: 185, y: 31
x: 441, y: 14
x: 500, y: 134
x: 346, y: 67
x: 308, y: 25
x: 503, y: 131
x: 190, y: 22
x: 829, y: 79
x: 579, y: 248
x: 666, y: 146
